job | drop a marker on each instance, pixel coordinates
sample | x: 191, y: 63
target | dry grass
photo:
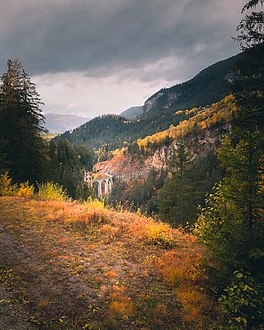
x: 182, y: 270
x: 121, y: 308
x: 86, y: 266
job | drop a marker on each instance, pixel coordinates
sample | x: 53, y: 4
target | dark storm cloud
x: 104, y: 36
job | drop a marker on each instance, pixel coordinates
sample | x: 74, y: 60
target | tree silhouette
x: 23, y: 151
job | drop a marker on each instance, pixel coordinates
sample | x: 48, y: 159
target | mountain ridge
x: 161, y: 109
x: 132, y: 112
x: 59, y: 123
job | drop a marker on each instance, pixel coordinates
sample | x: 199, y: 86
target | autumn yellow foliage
x: 204, y: 118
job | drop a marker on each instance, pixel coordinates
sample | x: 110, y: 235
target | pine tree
x: 251, y: 28
x: 185, y: 191
x: 23, y: 151
x: 67, y: 162
x: 174, y: 197
x: 231, y: 224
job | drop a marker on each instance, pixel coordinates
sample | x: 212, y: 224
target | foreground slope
x: 73, y: 266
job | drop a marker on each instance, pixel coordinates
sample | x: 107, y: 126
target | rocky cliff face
x: 126, y: 167
x: 150, y: 102
x: 200, y: 134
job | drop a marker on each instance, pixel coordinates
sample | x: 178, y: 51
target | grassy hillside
x: 81, y: 266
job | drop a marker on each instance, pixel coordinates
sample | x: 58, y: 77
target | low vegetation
x: 83, y: 266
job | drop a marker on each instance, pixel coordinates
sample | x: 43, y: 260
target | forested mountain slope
x: 103, y: 130
x: 160, y: 110
x: 144, y: 165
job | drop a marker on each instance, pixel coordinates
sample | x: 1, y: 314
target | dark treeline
x: 232, y: 222
x: 24, y: 154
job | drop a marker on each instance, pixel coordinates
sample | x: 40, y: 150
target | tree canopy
x: 22, y: 150
x: 251, y: 27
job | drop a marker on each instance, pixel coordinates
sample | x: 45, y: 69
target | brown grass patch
x: 94, y: 265
x: 121, y: 308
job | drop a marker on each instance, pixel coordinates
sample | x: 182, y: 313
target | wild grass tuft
x: 52, y: 191
x: 7, y: 188
x: 25, y: 190
x: 158, y: 234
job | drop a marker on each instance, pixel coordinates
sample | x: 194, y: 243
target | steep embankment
x: 76, y: 266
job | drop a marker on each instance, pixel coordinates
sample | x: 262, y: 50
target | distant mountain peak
x: 59, y: 123
x: 132, y: 112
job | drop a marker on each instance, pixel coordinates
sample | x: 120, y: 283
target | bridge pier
x: 104, y: 182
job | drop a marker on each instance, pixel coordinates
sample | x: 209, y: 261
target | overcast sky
x: 90, y: 57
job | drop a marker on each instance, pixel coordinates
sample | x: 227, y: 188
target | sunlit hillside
x: 202, y: 122
x: 66, y: 265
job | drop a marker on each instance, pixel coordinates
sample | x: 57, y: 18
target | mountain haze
x: 57, y: 123
x: 132, y: 112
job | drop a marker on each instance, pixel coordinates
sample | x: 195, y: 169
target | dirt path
x: 13, y: 315
x: 13, y: 312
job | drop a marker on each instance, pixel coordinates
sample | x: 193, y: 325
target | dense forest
x: 24, y: 153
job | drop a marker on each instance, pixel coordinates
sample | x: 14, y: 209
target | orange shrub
x: 178, y: 267
x: 122, y: 308
x: 111, y: 274
x: 109, y: 230
x: 195, y: 304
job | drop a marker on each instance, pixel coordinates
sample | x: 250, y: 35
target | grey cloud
x: 102, y: 37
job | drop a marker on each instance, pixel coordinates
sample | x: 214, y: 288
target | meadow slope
x: 66, y: 265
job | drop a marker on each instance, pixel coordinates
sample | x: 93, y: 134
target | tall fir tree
x: 22, y: 150
x: 251, y: 27
x: 231, y: 224
x: 174, y: 196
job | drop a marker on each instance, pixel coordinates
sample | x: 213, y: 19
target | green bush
x: 243, y: 303
x: 6, y: 186
x: 52, y: 191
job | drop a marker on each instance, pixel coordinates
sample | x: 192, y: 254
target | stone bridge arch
x: 101, y: 182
